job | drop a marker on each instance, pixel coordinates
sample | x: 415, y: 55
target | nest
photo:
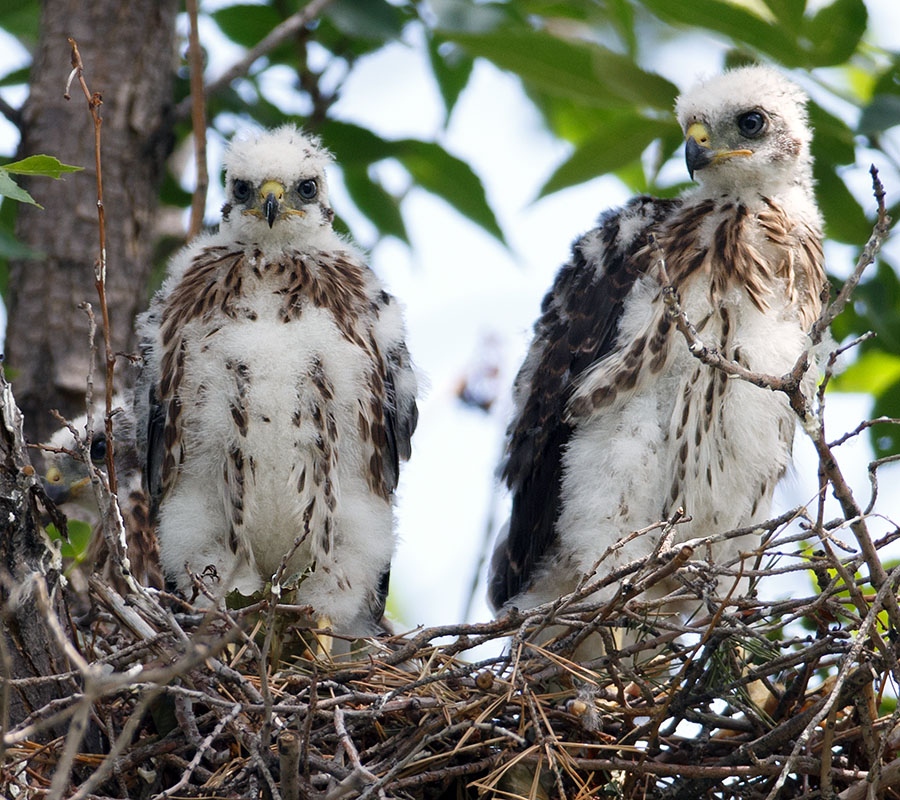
x: 748, y: 698
x: 612, y: 690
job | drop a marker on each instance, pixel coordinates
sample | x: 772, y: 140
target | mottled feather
x: 279, y: 395
x: 616, y: 424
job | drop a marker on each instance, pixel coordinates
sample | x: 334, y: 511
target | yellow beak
x: 272, y: 205
x: 698, y: 151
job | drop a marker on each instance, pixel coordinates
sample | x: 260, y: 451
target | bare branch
x: 279, y: 34
x: 198, y: 120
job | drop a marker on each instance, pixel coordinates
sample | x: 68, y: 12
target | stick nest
x: 746, y: 698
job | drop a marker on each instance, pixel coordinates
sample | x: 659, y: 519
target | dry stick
x: 825, y: 781
x: 13, y: 114
x: 849, y: 664
x: 828, y: 464
x: 111, y: 759
x: 289, y: 763
x: 279, y: 34
x: 198, y: 121
x: 359, y: 770
x: 308, y: 719
x: 265, y: 652
x: 94, y: 101
x: 790, y: 383
x: 873, y: 477
x: 198, y: 756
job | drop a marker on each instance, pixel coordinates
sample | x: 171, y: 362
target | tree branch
x: 198, y: 120
x: 279, y: 34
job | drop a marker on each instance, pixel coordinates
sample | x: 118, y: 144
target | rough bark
x: 27, y: 646
x: 129, y: 55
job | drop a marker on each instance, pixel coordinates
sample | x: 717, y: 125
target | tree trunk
x: 27, y: 646
x: 128, y: 51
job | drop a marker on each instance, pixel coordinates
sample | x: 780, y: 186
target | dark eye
x: 98, y: 448
x: 307, y: 189
x: 751, y: 124
x: 241, y: 191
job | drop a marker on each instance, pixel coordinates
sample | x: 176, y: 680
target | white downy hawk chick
x: 616, y: 424
x: 277, y: 394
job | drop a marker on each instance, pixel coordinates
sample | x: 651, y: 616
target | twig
x: 201, y: 750
x: 279, y: 34
x: 94, y: 101
x: 13, y: 114
x: 289, y: 763
x: 352, y: 753
x: 198, y: 121
x: 850, y: 664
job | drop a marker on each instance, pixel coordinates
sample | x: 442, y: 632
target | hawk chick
x: 616, y: 424
x: 277, y: 394
x: 67, y: 481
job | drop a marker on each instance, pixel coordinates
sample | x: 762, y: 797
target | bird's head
x: 66, y: 478
x: 747, y: 129
x: 275, y: 185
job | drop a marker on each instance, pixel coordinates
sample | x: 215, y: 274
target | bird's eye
x: 241, y: 191
x: 307, y: 189
x: 98, y: 449
x: 751, y: 124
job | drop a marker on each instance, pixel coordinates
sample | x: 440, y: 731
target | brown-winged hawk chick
x: 616, y: 424
x: 277, y: 394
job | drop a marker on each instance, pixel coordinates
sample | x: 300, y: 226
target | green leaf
x: 833, y: 141
x: 9, y: 188
x: 171, y: 192
x: 21, y: 19
x: 353, y: 144
x: 447, y: 176
x: 631, y: 83
x: 733, y: 21
x: 430, y: 166
x: 872, y: 373
x: 788, y: 12
x: 618, y: 142
x: 16, y: 77
x: 464, y: 16
x: 567, y: 118
x: 374, y: 19
x: 844, y: 217
x: 452, y: 68
x: 832, y: 35
x: 373, y: 200
x: 582, y: 71
x: 621, y: 14
x: 47, y: 166
x: 889, y: 80
x: 246, y: 24
x: 546, y: 62
x: 11, y: 247
x: 886, y: 438
x: 75, y: 545
x: 875, y: 306
x: 882, y: 113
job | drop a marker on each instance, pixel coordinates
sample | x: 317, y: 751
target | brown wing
x: 578, y: 325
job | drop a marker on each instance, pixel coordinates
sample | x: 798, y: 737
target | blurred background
x: 474, y: 141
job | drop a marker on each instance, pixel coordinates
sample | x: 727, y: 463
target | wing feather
x: 577, y: 327
x: 401, y: 414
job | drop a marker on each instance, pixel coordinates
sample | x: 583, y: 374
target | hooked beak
x: 698, y: 151
x: 58, y: 489
x: 272, y: 194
